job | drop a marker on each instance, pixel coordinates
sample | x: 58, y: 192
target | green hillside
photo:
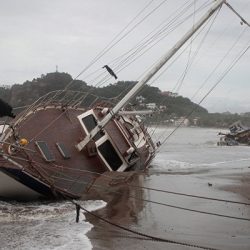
x: 172, y: 107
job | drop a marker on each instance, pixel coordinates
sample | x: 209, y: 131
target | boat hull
x: 12, y: 186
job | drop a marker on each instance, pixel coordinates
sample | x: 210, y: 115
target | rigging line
x: 192, y: 196
x: 152, y: 46
x: 183, y: 76
x: 154, y: 36
x: 220, y: 62
x: 237, y: 14
x: 226, y: 72
x: 199, y: 47
x: 226, y: 29
x: 194, y: 56
x: 139, y: 48
x: 221, y: 34
x: 175, y: 59
x: 49, y: 125
x: 120, y: 34
x: 158, y: 39
x: 153, y: 189
x: 213, y: 87
x: 106, y: 188
x: 157, y: 42
x: 151, y: 237
x: 181, y: 79
x: 125, y: 63
x: 154, y: 202
x: 78, y: 171
x: 142, y: 41
x: 110, y: 45
x: 209, y: 77
x: 131, y: 30
x: 114, y: 39
x: 178, y: 56
x: 101, y: 82
x: 91, y: 90
x: 166, y: 26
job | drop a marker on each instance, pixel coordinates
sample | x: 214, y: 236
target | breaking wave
x: 40, y: 225
x: 161, y: 164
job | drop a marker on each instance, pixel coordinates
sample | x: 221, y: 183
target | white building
x: 151, y: 105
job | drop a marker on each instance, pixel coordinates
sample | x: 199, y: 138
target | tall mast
x: 150, y: 74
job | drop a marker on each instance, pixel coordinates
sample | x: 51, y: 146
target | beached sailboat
x: 43, y: 151
x: 56, y: 147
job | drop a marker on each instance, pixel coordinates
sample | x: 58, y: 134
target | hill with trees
x: 173, y: 106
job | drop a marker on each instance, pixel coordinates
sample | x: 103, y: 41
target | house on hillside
x: 151, y: 106
x: 169, y: 93
x: 140, y: 99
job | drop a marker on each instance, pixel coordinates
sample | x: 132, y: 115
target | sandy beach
x: 174, y: 224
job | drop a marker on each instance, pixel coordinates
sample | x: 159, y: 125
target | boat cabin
x: 111, y: 144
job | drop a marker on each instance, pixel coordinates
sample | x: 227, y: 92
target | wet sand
x: 174, y: 224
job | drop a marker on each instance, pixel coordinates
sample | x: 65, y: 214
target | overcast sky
x: 37, y: 35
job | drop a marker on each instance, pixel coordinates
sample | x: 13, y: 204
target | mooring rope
x: 81, y: 172
x: 150, y: 237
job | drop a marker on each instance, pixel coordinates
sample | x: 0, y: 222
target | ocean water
x: 188, y: 160
x: 189, y: 148
x: 44, y: 225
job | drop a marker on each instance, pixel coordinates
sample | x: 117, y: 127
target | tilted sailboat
x: 56, y: 147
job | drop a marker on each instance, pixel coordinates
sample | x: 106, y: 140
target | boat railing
x: 65, y: 99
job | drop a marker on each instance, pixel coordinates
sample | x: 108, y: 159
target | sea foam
x: 45, y: 226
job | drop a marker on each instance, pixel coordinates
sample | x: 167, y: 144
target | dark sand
x: 170, y: 223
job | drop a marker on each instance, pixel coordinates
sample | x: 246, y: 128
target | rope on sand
x: 146, y: 236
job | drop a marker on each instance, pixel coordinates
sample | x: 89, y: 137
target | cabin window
x: 108, y: 152
x: 90, y: 123
x: 63, y: 150
x: 44, y: 150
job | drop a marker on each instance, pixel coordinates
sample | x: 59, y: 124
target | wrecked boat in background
x: 238, y: 135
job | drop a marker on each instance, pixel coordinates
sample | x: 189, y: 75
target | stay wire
x: 119, y: 61
x: 113, y: 42
x: 194, y: 56
x: 188, y: 65
x: 178, y: 56
x: 109, y: 46
x: 110, y: 43
x: 106, y: 188
x: 140, y: 47
x: 215, y: 68
x: 164, y: 191
x: 103, y: 81
x: 129, y: 185
x: 151, y: 237
x: 213, y: 87
x: 163, y: 35
x: 220, y: 62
